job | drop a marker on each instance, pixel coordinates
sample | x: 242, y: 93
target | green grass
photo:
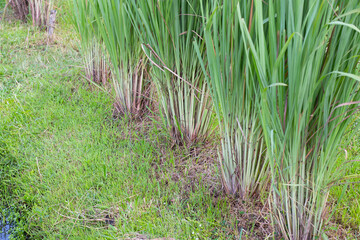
x: 2, y: 5
x: 348, y: 208
x: 66, y: 164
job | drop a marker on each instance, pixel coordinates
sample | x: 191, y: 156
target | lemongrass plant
x: 233, y: 91
x: 131, y: 80
x: 40, y: 12
x: 95, y: 57
x: 39, y: 9
x: 97, y: 63
x: 305, y: 55
x: 20, y: 8
x: 168, y: 30
x: 110, y: 24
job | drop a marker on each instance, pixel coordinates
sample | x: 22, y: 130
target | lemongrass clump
x: 107, y: 23
x: 95, y: 57
x: 305, y: 55
x: 97, y: 63
x: 20, y: 8
x: 130, y: 79
x: 40, y: 12
x: 243, y: 156
x: 168, y: 30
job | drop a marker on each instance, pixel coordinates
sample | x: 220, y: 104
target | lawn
x: 72, y: 169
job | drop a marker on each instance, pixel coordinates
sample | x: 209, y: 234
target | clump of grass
x: 40, y: 12
x: 39, y: 9
x: 97, y: 63
x: 108, y: 23
x: 167, y: 30
x: 305, y: 55
x: 20, y: 8
x: 244, y: 163
x: 96, y: 58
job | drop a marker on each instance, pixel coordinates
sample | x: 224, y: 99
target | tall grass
x: 39, y: 9
x: 20, y: 8
x: 305, y: 55
x: 95, y: 57
x: 109, y: 24
x: 97, y: 62
x: 244, y: 164
x: 168, y: 30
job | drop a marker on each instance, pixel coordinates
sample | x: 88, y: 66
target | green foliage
x: 96, y: 58
x: 304, y: 55
x: 2, y: 5
x: 168, y: 30
x: 106, y: 23
x: 244, y: 164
